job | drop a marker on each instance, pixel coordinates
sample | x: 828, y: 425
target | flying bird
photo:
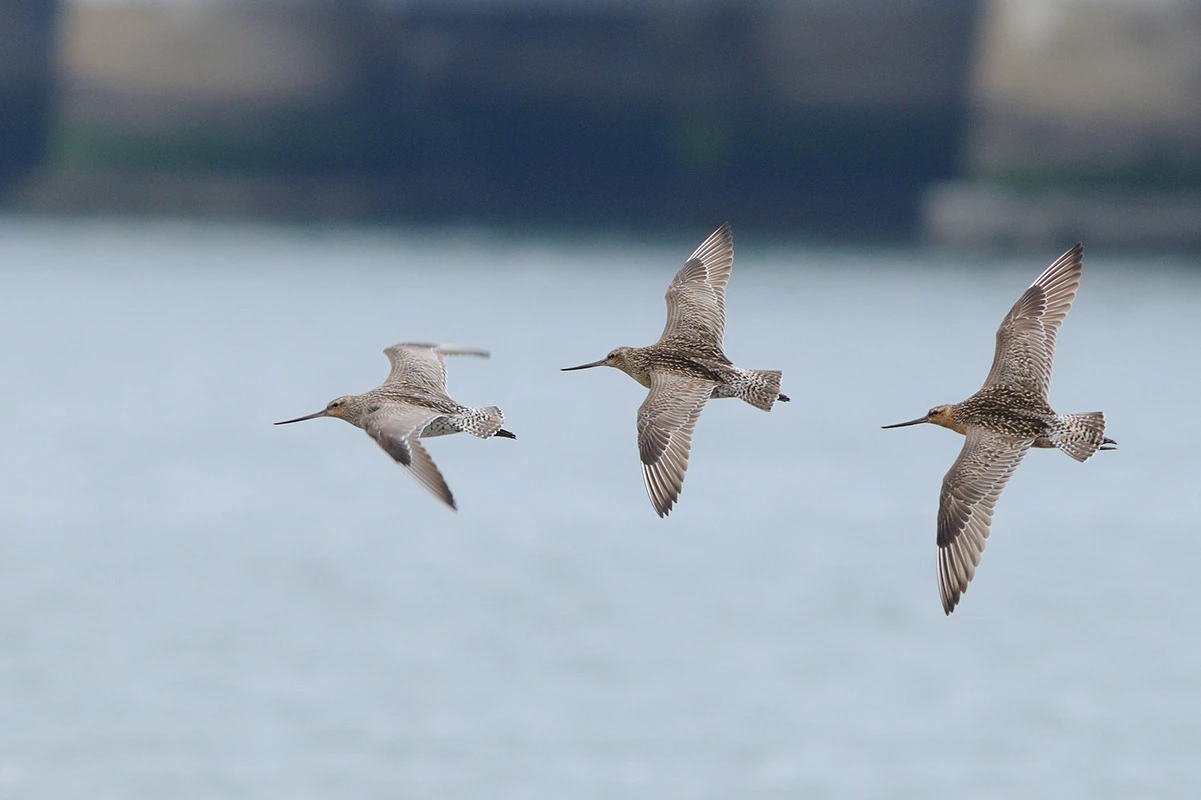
x: 686, y: 367
x: 1003, y: 420
x: 412, y: 404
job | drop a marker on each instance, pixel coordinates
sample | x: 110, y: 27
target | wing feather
x: 423, y: 366
x: 969, y: 493
x: 665, y: 423
x: 1026, y: 339
x: 696, y: 297
x: 397, y: 429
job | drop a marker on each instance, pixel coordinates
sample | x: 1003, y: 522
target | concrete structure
x: 1087, y: 91
x: 1086, y: 123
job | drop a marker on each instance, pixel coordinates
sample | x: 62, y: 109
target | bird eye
x: 335, y: 403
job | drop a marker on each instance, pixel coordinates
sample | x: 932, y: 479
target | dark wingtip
x: 504, y: 434
x: 784, y: 398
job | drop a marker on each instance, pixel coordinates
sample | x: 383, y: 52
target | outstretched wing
x: 969, y: 493
x: 1026, y: 338
x: 396, y: 428
x: 422, y: 366
x: 696, y: 298
x: 665, y: 422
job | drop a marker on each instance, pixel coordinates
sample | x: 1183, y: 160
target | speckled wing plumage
x: 396, y: 428
x: 696, y: 298
x: 423, y: 366
x: 1026, y: 339
x: 665, y: 422
x: 969, y: 493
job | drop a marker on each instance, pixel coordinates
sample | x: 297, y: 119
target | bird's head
x: 344, y: 407
x: 618, y: 357
x: 943, y: 416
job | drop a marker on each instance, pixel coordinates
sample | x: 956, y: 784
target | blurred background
x: 216, y: 214
x: 966, y: 121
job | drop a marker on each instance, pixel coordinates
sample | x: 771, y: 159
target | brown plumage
x: 413, y: 404
x: 686, y: 367
x: 1003, y: 420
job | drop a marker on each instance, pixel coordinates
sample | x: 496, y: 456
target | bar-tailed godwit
x: 413, y: 404
x: 686, y: 367
x: 1003, y: 420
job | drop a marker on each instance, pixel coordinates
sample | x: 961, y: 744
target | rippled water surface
x: 196, y: 604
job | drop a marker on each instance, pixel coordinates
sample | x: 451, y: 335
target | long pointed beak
x: 322, y: 413
x: 917, y: 421
x: 600, y: 363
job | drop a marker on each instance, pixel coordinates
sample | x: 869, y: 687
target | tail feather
x: 484, y: 422
x: 1081, y: 435
x: 761, y: 388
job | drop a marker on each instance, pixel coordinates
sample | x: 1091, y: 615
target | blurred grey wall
x: 1002, y: 120
x: 821, y: 115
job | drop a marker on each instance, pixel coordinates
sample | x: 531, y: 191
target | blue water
x: 196, y: 604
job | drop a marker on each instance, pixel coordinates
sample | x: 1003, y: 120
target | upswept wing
x: 969, y: 493
x: 696, y: 298
x: 1026, y: 339
x: 396, y: 429
x: 665, y: 422
x: 422, y: 366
